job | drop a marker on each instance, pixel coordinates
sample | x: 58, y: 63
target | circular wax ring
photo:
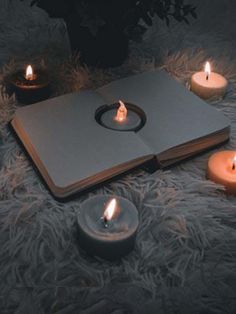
x: 136, y: 118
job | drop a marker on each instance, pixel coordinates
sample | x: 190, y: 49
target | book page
x: 175, y: 116
x: 69, y: 143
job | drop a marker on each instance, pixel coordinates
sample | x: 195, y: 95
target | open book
x: 73, y: 152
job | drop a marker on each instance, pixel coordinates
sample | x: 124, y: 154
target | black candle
x: 121, y: 117
x: 30, y: 85
x: 107, y: 226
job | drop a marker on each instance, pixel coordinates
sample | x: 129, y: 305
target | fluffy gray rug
x: 185, y: 256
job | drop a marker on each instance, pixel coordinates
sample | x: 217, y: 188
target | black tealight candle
x: 30, y: 85
x: 107, y: 226
x: 121, y: 117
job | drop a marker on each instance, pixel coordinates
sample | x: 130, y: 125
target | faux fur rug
x: 185, y: 255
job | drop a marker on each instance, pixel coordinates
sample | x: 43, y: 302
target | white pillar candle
x: 207, y: 84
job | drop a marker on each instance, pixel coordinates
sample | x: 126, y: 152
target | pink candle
x: 207, y: 84
x: 222, y: 170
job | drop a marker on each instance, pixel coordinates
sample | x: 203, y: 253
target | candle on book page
x: 107, y: 226
x: 121, y: 117
x: 208, y: 84
x: 222, y: 170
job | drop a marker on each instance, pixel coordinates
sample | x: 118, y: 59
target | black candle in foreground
x: 30, y: 85
x: 107, y: 226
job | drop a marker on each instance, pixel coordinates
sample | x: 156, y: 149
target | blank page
x: 174, y: 114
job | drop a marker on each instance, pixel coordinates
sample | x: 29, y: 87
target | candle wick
x: 105, y: 221
x: 207, y: 77
x: 233, y: 167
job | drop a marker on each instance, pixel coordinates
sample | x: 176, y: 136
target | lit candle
x: 30, y: 85
x: 107, y: 226
x: 222, y: 170
x: 121, y: 117
x: 207, y: 84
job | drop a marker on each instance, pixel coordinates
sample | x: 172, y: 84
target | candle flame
x: 234, y: 163
x: 29, y: 74
x: 110, y: 210
x: 207, y: 70
x: 122, y: 112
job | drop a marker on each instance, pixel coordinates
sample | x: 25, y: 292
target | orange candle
x: 222, y: 170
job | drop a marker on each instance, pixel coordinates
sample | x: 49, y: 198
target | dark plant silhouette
x: 105, y: 25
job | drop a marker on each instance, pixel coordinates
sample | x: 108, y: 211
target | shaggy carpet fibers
x: 185, y: 255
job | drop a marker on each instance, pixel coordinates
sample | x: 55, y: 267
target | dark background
x: 28, y: 31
